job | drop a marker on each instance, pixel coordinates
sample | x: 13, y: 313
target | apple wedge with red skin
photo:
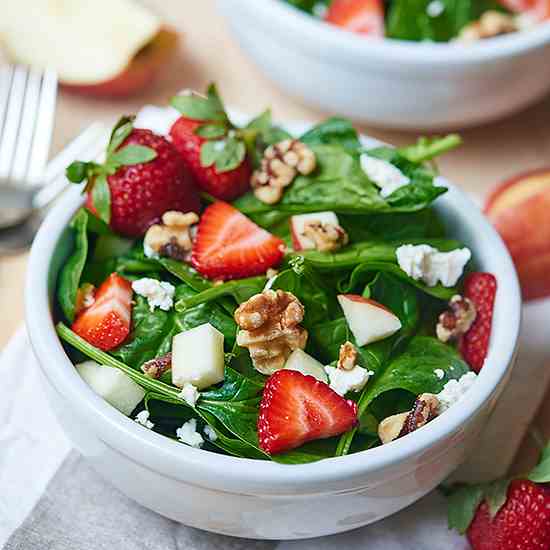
x: 297, y: 223
x: 520, y: 211
x: 368, y: 320
x: 139, y: 74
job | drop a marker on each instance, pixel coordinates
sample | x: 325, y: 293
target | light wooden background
x: 208, y: 53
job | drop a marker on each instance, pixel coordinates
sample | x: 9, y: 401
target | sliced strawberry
x: 228, y: 245
x: 481, y: 288
x: 297, y: 408
x: 360, y: 16
x: 106, y: 323
x: 539, y: 9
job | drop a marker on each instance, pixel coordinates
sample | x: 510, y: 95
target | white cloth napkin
x: 32, y: 448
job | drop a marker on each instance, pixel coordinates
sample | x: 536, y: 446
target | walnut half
x: 172, y: 238
x: 270, y: 328
x: 347, y: 357
x: 326, y: 236
x: 424, y: 410
x: 491, y: 23
x: 457, y: 320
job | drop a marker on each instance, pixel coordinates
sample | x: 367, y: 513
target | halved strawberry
x: 360, y: 16
x: 228, y: 245
x: 297, y: 408
x: 106, y: 323
x: 538, y: 9
x: 481, y: 288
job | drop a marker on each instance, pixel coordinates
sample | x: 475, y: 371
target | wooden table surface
x: 208, y: 53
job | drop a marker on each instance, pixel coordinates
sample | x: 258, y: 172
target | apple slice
x: 197, y: 357
x: 113, y: 385
x: 297, y: 223
x: 518, y: 208
x: 306, y: 364
x: 368, y: 320
x: 104, y: 47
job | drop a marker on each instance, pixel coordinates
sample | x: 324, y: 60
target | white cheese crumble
x: 158, y: 293
x: 189, y: 394
x: 435, y: 8
x: 423, y: 262
x: 387, y: 176
x: 454, y: 391
x: 188, y: 434
x: 342, y: 381
x: 440, y: 373
x: 210, y: 433
x: 143, y: 419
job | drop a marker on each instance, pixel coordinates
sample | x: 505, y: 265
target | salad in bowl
x: 270, y: 296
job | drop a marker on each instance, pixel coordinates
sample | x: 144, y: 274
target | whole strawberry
x: 211, y: 147
x: 506, y: 515
x: 142, y: 177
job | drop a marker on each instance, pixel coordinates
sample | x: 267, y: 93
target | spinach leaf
x: 428, y: 148
x: 186, y: 273
x: 309, y: 452
x: 333, y: 131
x: 69, y: 278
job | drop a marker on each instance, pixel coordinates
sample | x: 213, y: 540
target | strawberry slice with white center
x: 106, y: 323
x: 228, y: 245
x: 360, y: 16
x: 297, y: 408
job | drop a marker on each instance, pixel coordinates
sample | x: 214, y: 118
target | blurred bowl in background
x: 392, y: 83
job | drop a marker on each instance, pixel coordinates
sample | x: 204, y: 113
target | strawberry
x: 505, y: 514
x: 360, y: 16
x: 106, y: 323
x: 211, y: 147
x: 538, y: 9
x: 297, y: 408
x: 228, y: 245
x: 142, y: 177
x: 481, y: 288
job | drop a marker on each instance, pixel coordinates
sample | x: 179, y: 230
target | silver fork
x: 27, y: 111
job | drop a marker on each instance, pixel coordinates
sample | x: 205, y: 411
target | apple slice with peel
x: 117, y: 388
x: 368, y: 320
x: 104, y: 47
x: 298, y: 222
x: 197, y: 357
x: 303, y: 362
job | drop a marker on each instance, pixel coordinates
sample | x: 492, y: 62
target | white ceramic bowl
x: 391, y: 83
x: 260, y: 499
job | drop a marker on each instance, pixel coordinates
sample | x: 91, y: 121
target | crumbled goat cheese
x: 423, y: 262
x: 189, y: 394
x: 143, y: 419
x: 435, y: 8
x: 188, y: 434
x: 454, y: 390
x: 387, y: 176
x: 158, y: 293
x: 342, y: 381
x: 210, y: 433
x: 440, y: 373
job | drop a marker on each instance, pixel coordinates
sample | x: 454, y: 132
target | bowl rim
x: 347, y: 47
x: 161, y: 454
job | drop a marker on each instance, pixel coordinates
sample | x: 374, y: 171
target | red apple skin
x: 362, y: 299
x: 138, y: 75
x: 524, y: 225
x: 295, y: 241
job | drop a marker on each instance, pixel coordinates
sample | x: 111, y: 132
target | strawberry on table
x: 297, y: 408
x: 505, y: 515
x: 106, y: 323
x: 481, y: 289
x: 228, y: 245
x: 211, y: 147
x: 142, y: 177
x: 360, y: 16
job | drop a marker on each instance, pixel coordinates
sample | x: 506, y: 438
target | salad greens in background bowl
x: 409, y: 81
x: 283, y: 369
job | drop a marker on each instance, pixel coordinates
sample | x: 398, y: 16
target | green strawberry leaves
x: 226, y: 154
x: 541, y: 472
x: 198, y: 107
x: 96, y: 174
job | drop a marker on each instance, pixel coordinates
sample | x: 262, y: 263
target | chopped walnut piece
x: 270, y: 328
x: 280, y: 164
x: 156, y: 367
x: 457, y: 320
x: 326, y: 236
x: 347, y: 357
x: 424, y: 410
x: 491, y: 23
x: 172, y: 238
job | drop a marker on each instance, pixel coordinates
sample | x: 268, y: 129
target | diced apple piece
x: 197, y: 357
x: 303, y: 362
x: 117, y: 388
x: 297, y: 223
x: 368, y: 320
